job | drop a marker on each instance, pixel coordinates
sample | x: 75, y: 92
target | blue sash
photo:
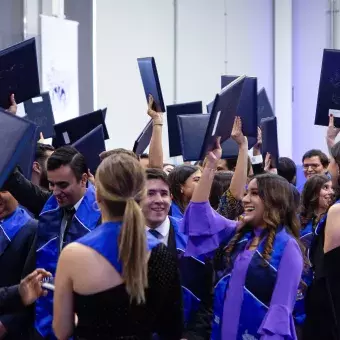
x: 192, y: 274
x: 48, y: 247
x: 256, y: 297
x: 104, y: 240
x: 176, y: 211
x: 306, y: 238
x: 11, y: 226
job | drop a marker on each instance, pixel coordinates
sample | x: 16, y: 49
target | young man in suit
x: 196, y: 274
x: 66, y: 213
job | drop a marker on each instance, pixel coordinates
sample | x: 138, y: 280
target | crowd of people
x: 223, y: 249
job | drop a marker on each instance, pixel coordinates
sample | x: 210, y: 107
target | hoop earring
x: 95, y: 206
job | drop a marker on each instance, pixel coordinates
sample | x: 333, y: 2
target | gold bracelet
x: 160, y: 124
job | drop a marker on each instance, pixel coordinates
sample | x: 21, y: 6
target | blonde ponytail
x: 133, y: 251
x: 120, y: 184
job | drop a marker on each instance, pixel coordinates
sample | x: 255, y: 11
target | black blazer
x: 30, y: 196
x: 199, y: 327
x: 10, y: 300
x: 13, y: 267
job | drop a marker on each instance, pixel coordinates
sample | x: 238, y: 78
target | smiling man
x: 196, y: 275
x: 314, y: 162
x: 67, y: 212
x: 156, y: 206
x: 67, y: 215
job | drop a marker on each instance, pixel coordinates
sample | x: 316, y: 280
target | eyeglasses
x: 313, y: 166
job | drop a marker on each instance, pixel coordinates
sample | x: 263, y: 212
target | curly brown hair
x: 279, y: 211
x: 310, y: 198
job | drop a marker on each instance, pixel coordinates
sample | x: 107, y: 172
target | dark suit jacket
x: 13, y: 267
x: 30, y: 196
x: 10, y: 300
x: 199, y: 327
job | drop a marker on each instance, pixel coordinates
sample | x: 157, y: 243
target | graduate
x: 316, y: 198
x: 323, y: 299
x: 17, y: 234
x: 182, y: 180
x: 120, y: 281
x: 258, y: 263
x: 195, y: 274
x: 66, y: 213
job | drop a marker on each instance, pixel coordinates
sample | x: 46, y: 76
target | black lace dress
x: 109, y: 314
x: 322, y: 302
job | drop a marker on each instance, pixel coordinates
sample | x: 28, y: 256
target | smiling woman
x: 183, y: 180
x: 257, y: 263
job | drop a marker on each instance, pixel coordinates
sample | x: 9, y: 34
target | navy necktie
x: 155, y: 233
x: 68, y: 216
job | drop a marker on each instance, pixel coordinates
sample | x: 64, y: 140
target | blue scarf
x: 11, y: 226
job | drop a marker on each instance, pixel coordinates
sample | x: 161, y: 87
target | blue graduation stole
x: 11, y: 226
x: 48, y: 247
x: 256, y: 297
x: 104, y: 240
x: 192, y: 274
x: 176, y: 211
x: 306, y: 238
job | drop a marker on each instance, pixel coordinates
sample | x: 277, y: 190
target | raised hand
x: 332, y: 131
x: 14, y: 107
x: 41, y: 138
x: 267, y: 164
x: 214, y: 156
x: 236, y: 133
x: 157, y: 117
x: 90, y: 177
x: 259, y: 137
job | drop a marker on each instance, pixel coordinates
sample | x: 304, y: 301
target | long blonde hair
x: 120, y: 184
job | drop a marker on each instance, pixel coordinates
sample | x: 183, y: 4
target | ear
x: 181, y: 189
x: 84, y: 179
x: 36, y: 168
x: 97, y: 196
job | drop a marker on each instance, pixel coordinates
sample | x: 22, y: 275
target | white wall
x: 249, y: 40
x: 207, y: 46
x: 200, y: 49
x: 311, y: 34
x: 126, y: 30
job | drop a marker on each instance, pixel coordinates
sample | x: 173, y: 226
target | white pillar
x: 31, y: 18
x: 283, y: 86
x: 58, y: 8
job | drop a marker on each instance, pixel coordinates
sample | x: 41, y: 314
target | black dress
x: 110, y: 315
x: 323, y: 296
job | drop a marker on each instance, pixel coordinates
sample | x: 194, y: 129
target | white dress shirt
x: 163, y: 230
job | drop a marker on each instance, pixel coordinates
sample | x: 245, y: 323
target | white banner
x: 59, y: 65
